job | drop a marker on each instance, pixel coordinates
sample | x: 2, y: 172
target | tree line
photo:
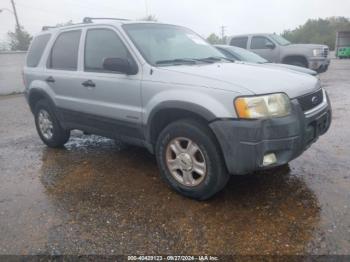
x: 318, y: 31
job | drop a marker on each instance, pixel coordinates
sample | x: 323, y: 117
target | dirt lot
x: 96, y: 198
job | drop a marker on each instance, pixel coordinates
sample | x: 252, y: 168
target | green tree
x: 318, y: 31
x: 19, y: 39
x: 214, y: 39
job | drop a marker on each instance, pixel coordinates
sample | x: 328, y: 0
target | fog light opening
x: 269, y: 159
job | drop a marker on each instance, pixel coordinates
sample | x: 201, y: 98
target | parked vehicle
x: 163, y: 87
x: 343, y: 52
x: 277, y: 49
x: 240, y: 54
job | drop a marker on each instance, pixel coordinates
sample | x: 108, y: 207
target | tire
x: 199, y: 137
x: 59, y: 136
x: 297, y: 63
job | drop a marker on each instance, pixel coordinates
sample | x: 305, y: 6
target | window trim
x: 259, y: 36
x: 131, y: 57
x: 49, y: 56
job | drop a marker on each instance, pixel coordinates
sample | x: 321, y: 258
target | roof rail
x: 45, y: 28
x: 90, y: 19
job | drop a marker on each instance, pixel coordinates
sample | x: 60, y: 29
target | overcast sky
x: 203, y: 16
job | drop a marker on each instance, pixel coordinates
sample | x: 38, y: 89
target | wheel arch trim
x: 176, y: 105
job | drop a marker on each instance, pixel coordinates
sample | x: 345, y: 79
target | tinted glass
x: 158, y: 43
x: 240, y: 42
x: 227, y: 54
x: 36, y: 49
x: 247, y: 56
x: 64, y: 54
x: 259, y: 42
x: 280, y: 40
x: 101, y: 44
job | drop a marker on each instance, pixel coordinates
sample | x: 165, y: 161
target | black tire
x: 60, y: 136
x: 297, y: 63
x: 216, y: 176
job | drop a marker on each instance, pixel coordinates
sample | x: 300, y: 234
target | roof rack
x: 45, y: 28
x: 90, y: 19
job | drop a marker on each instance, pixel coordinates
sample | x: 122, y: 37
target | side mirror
x: 270, y: 45
x: 120, y: 65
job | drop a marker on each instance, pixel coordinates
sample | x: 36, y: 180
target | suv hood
x: 242, y: 78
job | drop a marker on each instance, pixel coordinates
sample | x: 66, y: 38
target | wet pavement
x: 99, y: 197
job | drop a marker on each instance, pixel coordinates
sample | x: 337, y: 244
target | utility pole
x: 223, y: 32
x: 15, y: 14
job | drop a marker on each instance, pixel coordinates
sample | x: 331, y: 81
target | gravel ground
x: 95, y: 197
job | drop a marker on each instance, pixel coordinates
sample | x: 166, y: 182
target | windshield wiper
x: 177, y: 61
x: 213, y: 59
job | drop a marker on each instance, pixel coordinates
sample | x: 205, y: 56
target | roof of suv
x: 105, y: 22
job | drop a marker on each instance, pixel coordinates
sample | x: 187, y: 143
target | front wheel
x: 48, y: 126
x: 297, y: 63
x: 190, y: 159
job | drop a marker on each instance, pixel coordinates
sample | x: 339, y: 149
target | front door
x: 114, y: 99
x: 264, y: 47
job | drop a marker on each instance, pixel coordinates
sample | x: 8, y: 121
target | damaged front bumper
x: 245, y: 143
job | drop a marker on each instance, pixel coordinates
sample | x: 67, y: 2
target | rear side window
x: 36, y: 50
x: 260, y: 42
x: 101, y: 44
x: 239, y: 42
x: 64, y: 53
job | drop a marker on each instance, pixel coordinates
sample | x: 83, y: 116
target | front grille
x: 310, y: 101
x: 325, y: 52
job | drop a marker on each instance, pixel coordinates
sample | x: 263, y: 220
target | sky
x: 203, y: 16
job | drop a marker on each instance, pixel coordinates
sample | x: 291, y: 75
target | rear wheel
x: 190, y: 160
x: 48, y: 126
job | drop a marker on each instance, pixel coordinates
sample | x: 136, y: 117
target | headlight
x: 317, y: 52
x: 274, y: 105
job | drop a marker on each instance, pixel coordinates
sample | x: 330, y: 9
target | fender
x: 38, y: 91
x: 180, y: 105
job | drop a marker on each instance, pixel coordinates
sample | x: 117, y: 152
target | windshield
x: 246, y: 56
x: 280, y: 40
x: 167, y: 44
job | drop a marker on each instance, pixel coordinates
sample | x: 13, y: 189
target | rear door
x: 62, y: 71
x: 240, y: 41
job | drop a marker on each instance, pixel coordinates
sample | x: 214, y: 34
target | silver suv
x: 163, y: 87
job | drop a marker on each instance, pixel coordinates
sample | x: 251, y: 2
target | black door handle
x: 88, y: 83
x: 50, y: 79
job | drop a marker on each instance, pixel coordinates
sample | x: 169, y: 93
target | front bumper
x: 319, y: 64
x: 244, y: 143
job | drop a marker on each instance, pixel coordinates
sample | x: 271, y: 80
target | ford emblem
x: 314, y: 100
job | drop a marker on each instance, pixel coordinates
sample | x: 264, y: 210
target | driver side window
x: 260, y: 42
x: 101, y: 44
